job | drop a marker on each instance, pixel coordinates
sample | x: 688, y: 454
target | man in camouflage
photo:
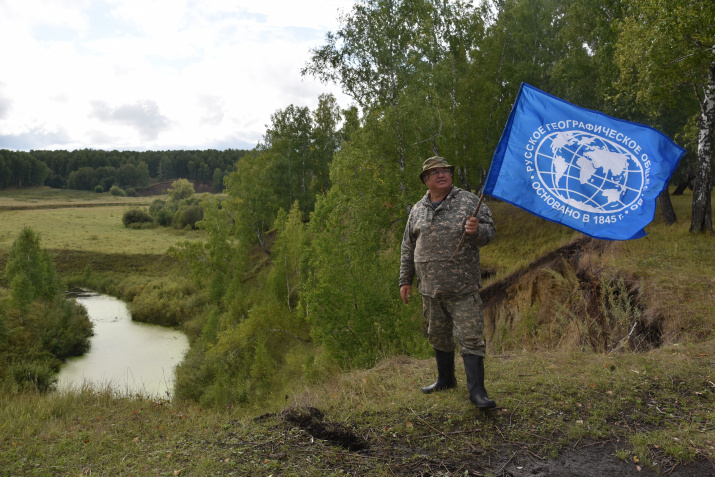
x: 449, y: 285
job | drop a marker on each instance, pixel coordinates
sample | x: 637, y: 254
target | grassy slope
x: 653, y: 410
x: 646, y: 410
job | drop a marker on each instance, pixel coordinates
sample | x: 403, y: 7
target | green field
x: 86, y: 221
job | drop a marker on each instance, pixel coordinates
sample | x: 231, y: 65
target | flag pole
x: 464, y: 234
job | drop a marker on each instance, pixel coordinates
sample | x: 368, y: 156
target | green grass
x: 652, y: 409
x: 86, y: 221
x: 655, y: 408
x: 520, y: 239
x: 34, y: 197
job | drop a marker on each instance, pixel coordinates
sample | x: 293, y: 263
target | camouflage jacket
x: 431, y: 237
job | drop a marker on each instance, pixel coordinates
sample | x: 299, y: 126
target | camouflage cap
x: 433, y: 163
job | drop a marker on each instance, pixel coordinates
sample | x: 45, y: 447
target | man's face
x: 439, y: 180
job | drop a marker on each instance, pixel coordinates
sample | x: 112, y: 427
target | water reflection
x: 127, y: 356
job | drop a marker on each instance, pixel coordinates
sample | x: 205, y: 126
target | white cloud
x: 155, y: 74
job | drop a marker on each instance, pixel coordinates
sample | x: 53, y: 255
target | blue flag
x: 580, y: 168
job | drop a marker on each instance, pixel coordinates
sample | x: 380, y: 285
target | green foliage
x: 253, y: 202
x: 217, y: 180
x: 181, y: 189
x: 66, y: 329
x: 83, y: 169
x: 181, y: 210
x: 618, y: 318
x: 288, y: 257
x: 188, y: 215
x: 29, y: 270
x: 136, y: 216
x: 221, y: 260
x: 34, y: 376
x: 164, y: 217
x: 21, y: 169
x: 166, y: 302
x: 350, y: 293
x: 665, y: 50
x: 38, y: 326
x: 117, y: 191
x: 254, y: 339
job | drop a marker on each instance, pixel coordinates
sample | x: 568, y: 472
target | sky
x: 156, y: 74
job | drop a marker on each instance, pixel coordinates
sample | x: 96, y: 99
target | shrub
x: 156, y: 206
x: 181, y: 189
x: 107, y: 182
x: 66, y: 329
x: 164, y: 217
x: 115, y: 190
x: 30, y: 270
x: 187, y: 217
x: 136, y: 216
x: 167, y: 303
x: 131, y: 192
x: 98, y: 189
x: 34, y: 375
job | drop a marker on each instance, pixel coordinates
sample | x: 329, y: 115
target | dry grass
x: 672, y: 270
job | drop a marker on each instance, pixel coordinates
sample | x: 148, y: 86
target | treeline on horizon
x: 99, y: 171
x: 298, y: 273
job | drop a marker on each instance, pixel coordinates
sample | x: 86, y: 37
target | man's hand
x: 472, y: 225
x: 406, y: 293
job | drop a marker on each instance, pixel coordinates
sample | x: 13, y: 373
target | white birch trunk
x: 702, y: 191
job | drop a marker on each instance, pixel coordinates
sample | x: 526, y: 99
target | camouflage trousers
x: 455, y: 316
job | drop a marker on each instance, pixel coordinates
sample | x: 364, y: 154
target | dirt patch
x: 312, y: 421
x: 362, y: 451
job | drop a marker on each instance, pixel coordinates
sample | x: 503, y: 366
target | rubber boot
x: 474, y: 368
x: 445, y: 372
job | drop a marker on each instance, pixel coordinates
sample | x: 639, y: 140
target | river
x: 127, y: 356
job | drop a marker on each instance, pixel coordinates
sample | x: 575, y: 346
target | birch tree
x: 666, y: 46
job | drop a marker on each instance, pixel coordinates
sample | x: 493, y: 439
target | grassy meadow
x: 84, y: 221
x: 622, y: 413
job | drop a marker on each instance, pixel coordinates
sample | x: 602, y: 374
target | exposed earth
x: 357, y: 453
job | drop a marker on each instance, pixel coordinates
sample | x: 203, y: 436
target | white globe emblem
x: 589, y: 172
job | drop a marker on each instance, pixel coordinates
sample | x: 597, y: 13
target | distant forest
x: 97, y: 170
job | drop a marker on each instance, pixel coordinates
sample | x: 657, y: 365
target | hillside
x: 641, y: 406
x: 558, y: 414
